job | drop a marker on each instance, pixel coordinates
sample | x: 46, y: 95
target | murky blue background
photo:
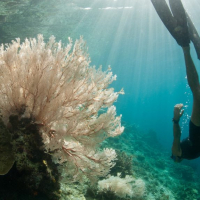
x: 129, y: 36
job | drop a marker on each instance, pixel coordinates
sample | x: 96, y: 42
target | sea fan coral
x: 54, y: 88
x: 125, y: 188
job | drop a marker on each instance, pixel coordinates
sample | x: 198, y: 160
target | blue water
x: 129, y: 36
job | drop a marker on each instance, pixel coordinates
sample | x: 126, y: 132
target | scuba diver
x: 180, y: 26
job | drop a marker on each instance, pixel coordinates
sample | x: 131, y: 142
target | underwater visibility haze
x: 128, y: 36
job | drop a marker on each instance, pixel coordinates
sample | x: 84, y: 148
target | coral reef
x: 124, y: 164
x: 37, y: 171
x: 50, y: 108
x: 164, y: 179
x: 120, y: 183
x: 6, y: 155
x: 124, y: 188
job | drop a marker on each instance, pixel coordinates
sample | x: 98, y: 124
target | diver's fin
x: 181, y: 29
x: 178, y: 12
x: 194, y: 36
x: 176, y: 23
x: 165, y: 15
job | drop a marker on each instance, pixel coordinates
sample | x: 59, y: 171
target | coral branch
x: 55, y: 86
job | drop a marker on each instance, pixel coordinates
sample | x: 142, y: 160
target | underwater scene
x: 99, y: 100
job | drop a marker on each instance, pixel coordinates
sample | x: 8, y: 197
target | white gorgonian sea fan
x: 55, y: 87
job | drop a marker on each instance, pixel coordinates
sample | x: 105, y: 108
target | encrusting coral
x: 6, y: 155
x: 124, y: 164
x: 50, y: 100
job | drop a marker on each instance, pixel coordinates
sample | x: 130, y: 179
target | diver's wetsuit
x: 191, y: 145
